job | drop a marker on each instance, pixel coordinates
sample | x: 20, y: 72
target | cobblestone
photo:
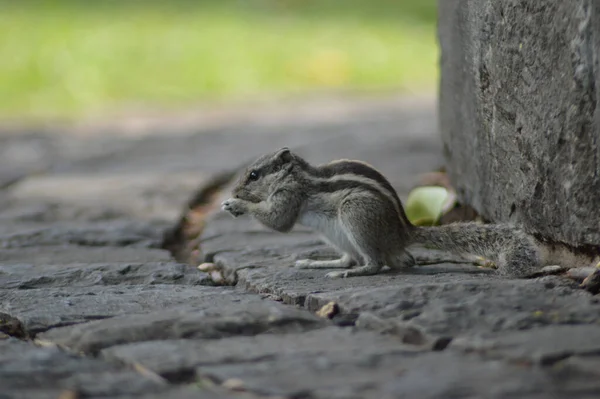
x: 92, y: 306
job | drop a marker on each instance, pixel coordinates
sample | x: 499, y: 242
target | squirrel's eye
x: 253, y: 175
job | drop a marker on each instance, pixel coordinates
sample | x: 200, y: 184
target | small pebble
x: 329, y: 310
x: 217, y: 277
x: 69, y: 394
x: 579, y: 273
x: 207, y: 267
x: 553, y: 269
x: 592, y: 282
x: 234, y: 384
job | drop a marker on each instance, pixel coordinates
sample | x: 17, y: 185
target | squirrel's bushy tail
x: 513, y: 251
x: 488, y: 240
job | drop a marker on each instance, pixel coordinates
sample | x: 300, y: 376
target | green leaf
x: 425, y: 205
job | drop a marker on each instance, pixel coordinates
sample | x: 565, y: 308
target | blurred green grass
x: 71, y: 58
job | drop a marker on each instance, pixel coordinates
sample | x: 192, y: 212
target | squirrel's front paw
x: 234, y: 206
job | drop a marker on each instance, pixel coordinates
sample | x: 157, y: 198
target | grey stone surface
x: 461, y: 305
x: 45, y: 211
x: 48, y: 150
x: 150, y: 195
x: 193, y: 391
x: 71, y: 254
x: 355, y: 375
x: 11, y: 175
x: 445, y: 299
x: 80, y: 276
x: 27, y: 371
x: 295, y: 286
x: 518, y: 112
x: 43, y: 308
x: 545, y: 345
x: 175, y: 359
x: 449, y: 376
x: 114, y: 233
x: 211, y: 319
x: 83, y: 274
x: 585, y: 365
x: 371, y: 137
x: 319, y: 364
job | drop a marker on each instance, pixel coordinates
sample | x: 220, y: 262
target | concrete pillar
x: 519, y: 114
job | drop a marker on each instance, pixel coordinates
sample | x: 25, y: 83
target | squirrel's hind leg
x: 344, y: 262
x: 366, y: 270
x: 370, y: 232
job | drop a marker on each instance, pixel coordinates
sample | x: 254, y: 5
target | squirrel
x: 357, y: 211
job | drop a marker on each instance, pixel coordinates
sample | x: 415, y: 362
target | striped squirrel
x: 357, y: 211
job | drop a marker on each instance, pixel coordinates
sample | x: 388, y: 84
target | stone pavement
x: 91, y: 306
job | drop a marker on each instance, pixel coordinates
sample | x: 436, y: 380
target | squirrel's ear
x: 284, y: 155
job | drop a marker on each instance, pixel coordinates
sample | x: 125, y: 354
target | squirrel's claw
x: 337, y: 274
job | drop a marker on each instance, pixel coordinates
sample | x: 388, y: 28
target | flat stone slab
x: 28, y: 371
x: 27, y: 211
x: 11, y: 175
x: 219, y: 315
x: 193, y: 391
x: 356, y: 375
x: 70, y: 275
x: 544, y: 345
x: 44, y: 149
x: 443, y: 299
x: 376, y: 138
x: 115, y: 233
x: 71, y: 254
x: 151, y: 195
x: 45, y: 308
x: 295, y: 286
x: 319, y: 364
x: 459, y: 306
x: 176, y: 359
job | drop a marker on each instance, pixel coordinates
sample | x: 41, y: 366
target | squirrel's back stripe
x: 347, y: 168
x: 339, y: 183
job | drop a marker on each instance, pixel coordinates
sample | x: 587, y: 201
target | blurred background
x: 73, y: 59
